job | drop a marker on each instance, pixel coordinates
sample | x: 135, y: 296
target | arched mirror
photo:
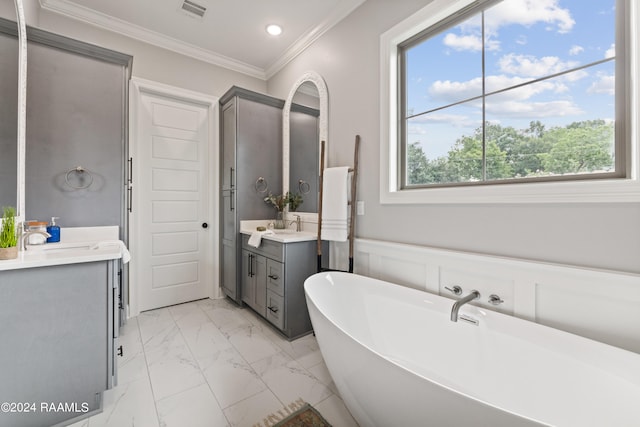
x: 305, y: 124
x: 13, y: 110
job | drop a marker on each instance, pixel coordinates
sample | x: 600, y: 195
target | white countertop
x: 282, y: 236
x: 77, y: 245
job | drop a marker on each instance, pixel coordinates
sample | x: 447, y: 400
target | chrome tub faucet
x: 462, y: 301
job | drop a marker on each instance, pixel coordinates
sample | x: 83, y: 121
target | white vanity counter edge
x: 282, y: 236
x: 77, y: 245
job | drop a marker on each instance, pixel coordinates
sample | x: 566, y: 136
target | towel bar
x: 351, y: 203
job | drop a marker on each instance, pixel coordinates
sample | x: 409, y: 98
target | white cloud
x: 530, y: 66
x: 611, y: 52
x: 575, y: 50
x: 513, y: 103
x: 416, y: 130
x: 520, y: 12
x: 574, y: 76
x: 470, y: 42
x: 605, y: 84
x: 529, y: 12
x: 533, y: 110
x: 455, y: 120
x: 450, y: 91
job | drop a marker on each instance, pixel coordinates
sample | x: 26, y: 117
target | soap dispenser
x: 54, y: 230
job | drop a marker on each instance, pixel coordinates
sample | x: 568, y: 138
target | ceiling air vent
x: 193, y: 9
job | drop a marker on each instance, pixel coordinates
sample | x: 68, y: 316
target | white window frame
x: 620, y: 190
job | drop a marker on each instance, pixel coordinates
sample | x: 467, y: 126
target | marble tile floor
x: 211, y: 363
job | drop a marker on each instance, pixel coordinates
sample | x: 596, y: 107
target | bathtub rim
x: 557, y: 334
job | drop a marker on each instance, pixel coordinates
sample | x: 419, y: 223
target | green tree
x: 585, y: 146
x: 465, y: 159
x: 417, y: 165
x: 524, y: 149
x: 580, y: 147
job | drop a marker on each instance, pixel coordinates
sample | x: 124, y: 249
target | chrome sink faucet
x: 297, y: 222
x: 25, y: 236
x: 462, y: 301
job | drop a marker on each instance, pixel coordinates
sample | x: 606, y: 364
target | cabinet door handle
x: 231, y: 207
x: 120, y: 351
x: 231, y: 177
x: 130, y: 199
x: 273, y: 277
x: 250, y: 258
x: 273, y: 309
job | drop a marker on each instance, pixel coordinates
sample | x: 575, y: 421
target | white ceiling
x: 231, y: 33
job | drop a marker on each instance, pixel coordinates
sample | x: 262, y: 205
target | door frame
x: 138, y: 87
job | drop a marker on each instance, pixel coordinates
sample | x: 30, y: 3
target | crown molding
x: 97, y: 19
x: 346, y: 7
x: 136, y: 32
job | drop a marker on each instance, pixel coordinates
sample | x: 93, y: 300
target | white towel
x: 256, y: 237
x: 335, y: 193
x: 124, y: 252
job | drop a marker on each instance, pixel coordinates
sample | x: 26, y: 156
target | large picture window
x: 514, y: 91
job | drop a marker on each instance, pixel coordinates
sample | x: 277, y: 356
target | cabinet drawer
x: 275, y: 309
x: 275, y: 277
x: 268, y: 248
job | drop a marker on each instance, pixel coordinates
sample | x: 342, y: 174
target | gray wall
x: 75, y: 117
x: 8, y: 120
x: 599, y: 235
x: 150, y: 62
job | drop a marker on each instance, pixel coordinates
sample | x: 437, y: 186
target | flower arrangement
x: 279, y: 202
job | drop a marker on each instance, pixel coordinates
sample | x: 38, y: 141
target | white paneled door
x: 174, y: 222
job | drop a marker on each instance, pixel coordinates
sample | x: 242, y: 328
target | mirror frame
x: 323, y: 125
x: 22, y: 107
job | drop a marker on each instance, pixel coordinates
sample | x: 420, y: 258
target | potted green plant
x: 294, y: 200
x: 8, y: 235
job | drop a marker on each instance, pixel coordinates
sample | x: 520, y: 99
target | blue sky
x: 524, y: 40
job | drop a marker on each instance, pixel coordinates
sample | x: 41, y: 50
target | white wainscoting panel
x: 601, y: 305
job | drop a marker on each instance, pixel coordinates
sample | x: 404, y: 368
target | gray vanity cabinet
x: 254, y: 285
x: 275, y: 273
x: 59, y: 335
x: 251, y: 167
x: 275, y: 293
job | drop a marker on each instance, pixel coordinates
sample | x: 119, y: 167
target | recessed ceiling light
x: 274, y: 30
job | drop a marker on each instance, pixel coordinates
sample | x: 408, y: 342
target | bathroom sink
x: 77, y: 247
x: 285, y: 231
x: 58, y: 247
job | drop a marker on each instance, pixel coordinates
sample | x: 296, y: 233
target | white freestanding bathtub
x: 398, y: 360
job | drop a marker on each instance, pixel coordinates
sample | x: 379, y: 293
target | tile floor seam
x: 267, y: 387
x: 206, y: 381
x: 292, y: 358
x: 146, y: 362
x: 214, y: 347
x: 254, y: 372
